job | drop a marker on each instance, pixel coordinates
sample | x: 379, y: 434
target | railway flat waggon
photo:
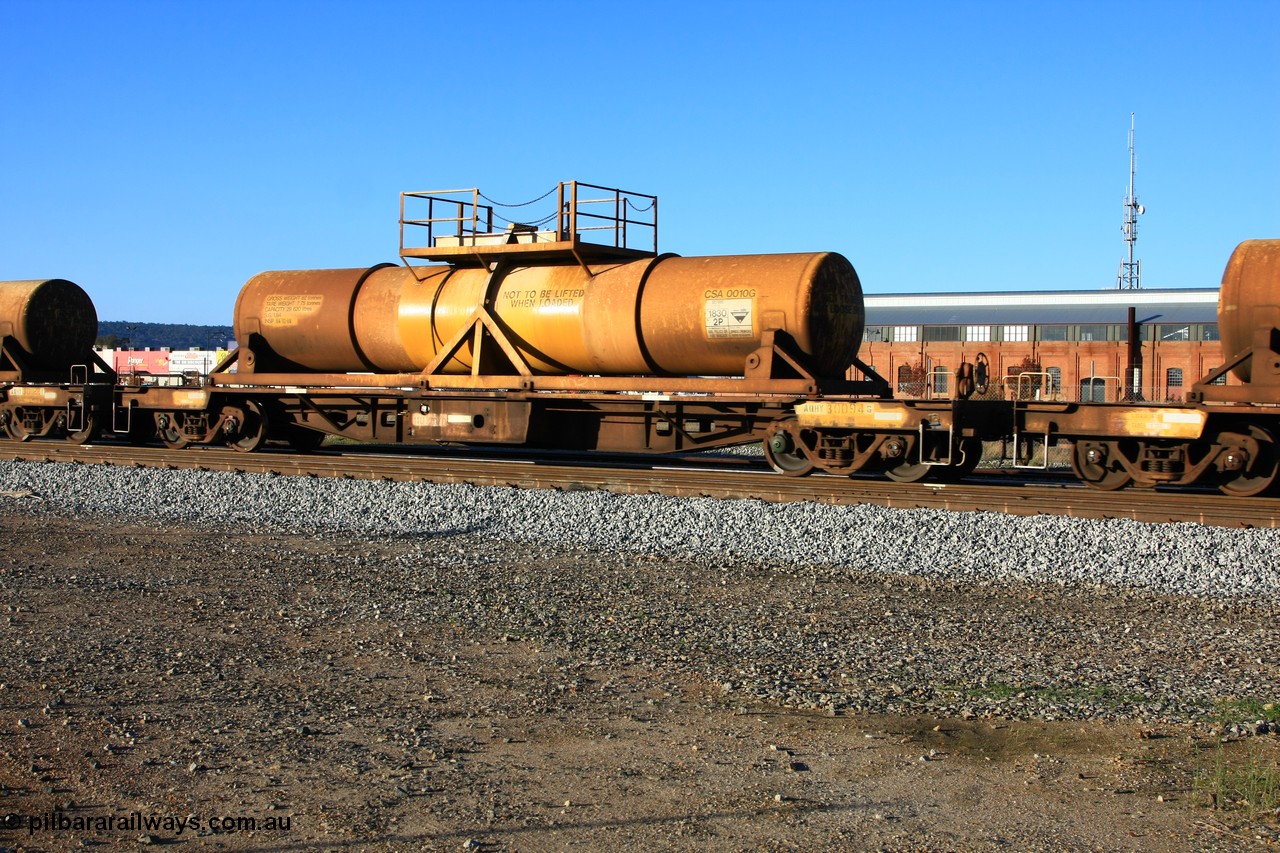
x: 572, y: 331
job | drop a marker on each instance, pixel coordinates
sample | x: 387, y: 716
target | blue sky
x: 160, y: 154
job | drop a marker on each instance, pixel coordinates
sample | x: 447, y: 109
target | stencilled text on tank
x: 286, y: 309
x: 731, y: 315
x: 549, y: 298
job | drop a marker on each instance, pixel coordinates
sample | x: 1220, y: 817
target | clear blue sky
x: 162, y: 153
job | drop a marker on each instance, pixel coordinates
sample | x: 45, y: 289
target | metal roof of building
x: 1041, y: 307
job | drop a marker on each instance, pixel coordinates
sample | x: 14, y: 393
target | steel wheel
x: 16, y: 428
x: 248, y: 426
x: 969, y: 453
x: 1261, y: 464
x: 304, y: 440
x: 141, y: 430
x: 1093, y: 463
x: 88, y: 432
x: 908, y: 472
x: 783, y: 452
x: 169, y: 430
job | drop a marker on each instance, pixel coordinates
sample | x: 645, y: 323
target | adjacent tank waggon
x: 1225, y: 436
x: 51, y: 381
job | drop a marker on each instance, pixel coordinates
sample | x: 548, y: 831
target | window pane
x: 942, y: 333
x: 911, y: 380
x: 1053, y: 333
x: 977, y: 333
x: 1055, y: 379
x: 940, y: 380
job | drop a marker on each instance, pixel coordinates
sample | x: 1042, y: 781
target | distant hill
x: 124, y: 335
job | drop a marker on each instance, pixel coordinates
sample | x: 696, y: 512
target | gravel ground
x: 982, y: 548
x: 477, y: 636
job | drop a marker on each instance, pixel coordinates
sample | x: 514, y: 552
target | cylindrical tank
x: 52, y: 320
x: 665, y: 315
x: 1250, y: 297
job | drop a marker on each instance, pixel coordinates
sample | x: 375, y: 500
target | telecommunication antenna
x: 1130, y: 275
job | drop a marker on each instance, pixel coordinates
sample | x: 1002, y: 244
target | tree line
x: 118, y: 334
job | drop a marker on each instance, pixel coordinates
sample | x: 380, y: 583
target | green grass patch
x: 1240, y: 780
x: 1230, y: 711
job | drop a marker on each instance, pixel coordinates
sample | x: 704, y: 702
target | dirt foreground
x: 200, y: 690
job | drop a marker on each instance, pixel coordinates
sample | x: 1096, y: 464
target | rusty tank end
x: 1249, y: 299
x: 53, y: 321
x: 665, y: 315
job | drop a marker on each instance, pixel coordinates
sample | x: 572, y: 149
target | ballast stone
x: 1180, y: 559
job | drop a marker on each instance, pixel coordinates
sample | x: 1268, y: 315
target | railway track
x: 722, y: 478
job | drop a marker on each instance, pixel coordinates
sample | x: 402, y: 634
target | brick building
x: 1069, y: 345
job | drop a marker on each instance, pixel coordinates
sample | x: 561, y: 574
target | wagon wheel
x: 970, y: 454
x: 1093, y: 464
x: 304, y: 440
x: 908, y: 472
x: 141, y: 430
x: 896, y: 455
x: 16, y: 428
x: 1260, y: 468
x: 86, y: 433
x: 169, y: 430
x: 783, y: 451
x: 245, y: 426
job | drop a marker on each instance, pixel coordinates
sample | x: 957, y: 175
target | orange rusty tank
x: 1250, y: 298
x: 665, y: 315
x: 52, y: 320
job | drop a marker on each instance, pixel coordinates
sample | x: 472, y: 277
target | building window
x: 1173, y: 384
x: 1176, y: 333
x: 942, y: 333
x: 977, y: 333
x: 1093, y: 332
x: 1209, y: 332
x: 1053, y: 333
x: 911, y: 380
x: 1221, y: 380
x: 1016, y: 333
x: 875, y: 334
x: 1054, y: 381
x: 940, y: 380
x: 1093, y: 390
x: 906, y: 333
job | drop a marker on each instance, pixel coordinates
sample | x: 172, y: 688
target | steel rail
x: 708, y: 477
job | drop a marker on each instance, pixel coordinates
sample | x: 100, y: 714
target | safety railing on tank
x: 582, y: 213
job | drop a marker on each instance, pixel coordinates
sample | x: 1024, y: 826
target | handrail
x: 607, y: 216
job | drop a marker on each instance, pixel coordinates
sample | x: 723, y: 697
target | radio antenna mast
x: 1130, y: 275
